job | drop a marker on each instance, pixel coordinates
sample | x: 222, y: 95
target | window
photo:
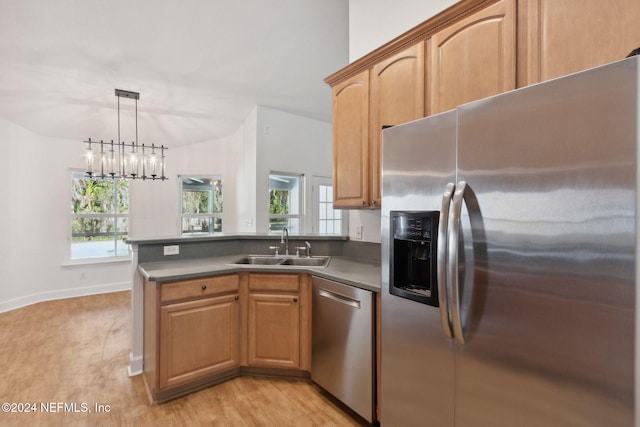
x: 330, y: 220
x: 327, y: 220
x: 285, y: 202
x: 99, y: 217
x: 201, y: 204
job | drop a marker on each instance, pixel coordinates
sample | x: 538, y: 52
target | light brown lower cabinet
x: 204, y: 331
x: 198, y: 338
x: 278, y: 323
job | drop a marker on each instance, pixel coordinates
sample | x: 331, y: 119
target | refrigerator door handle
x: 452, y: 260
x: 443, y: 299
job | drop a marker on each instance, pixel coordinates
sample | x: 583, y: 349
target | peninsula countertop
x: 341, y: 269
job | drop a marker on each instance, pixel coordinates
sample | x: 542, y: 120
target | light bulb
x: 112, y: 161
x: 88, y: 157
x: 153, y: 162
x: 133, y: 161
x: 104, y: 160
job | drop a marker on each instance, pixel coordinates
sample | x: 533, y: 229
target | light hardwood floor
x: 76, y: 351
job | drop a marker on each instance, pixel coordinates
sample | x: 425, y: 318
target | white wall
x: 268, y: 140
x: 290, y: 143
x: 246, y: 159
x: 36, y: 203
x: 155, y: 205
x: 373, y: 23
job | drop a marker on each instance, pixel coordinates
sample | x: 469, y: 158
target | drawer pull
x: 295, y: 300
x: 204, y: 287
x: 236, y: 298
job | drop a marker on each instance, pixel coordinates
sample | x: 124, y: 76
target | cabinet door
x: 473, y: 58
x: 198, y: 338
x: 274, y: 330
x: 351, y: 142
x: 572, y: 35
x: 397, y: 96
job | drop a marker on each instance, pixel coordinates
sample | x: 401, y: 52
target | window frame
x: 75, y: 174
x: 212, y: 215
x: 317, y: 181
x: 300, y: 216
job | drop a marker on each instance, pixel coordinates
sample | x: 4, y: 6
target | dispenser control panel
x: 413, y: 248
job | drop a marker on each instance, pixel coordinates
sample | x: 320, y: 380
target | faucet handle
x: 301, y: 248
x: 274, y: 248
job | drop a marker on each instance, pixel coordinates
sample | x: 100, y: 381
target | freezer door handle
x: 441, y: 263
x: 339, y: 298
x: 452, y: 260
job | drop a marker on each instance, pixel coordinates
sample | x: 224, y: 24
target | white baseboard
x: 26, y: 300
x: 135, y: 365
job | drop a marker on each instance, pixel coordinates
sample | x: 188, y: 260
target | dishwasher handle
x: 339, y: 298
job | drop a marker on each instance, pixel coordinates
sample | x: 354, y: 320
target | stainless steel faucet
x: 306, y: 248
x: 285, y: 240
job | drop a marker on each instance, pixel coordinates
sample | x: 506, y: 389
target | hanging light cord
x: 121, y: 165
x: 136, y: 121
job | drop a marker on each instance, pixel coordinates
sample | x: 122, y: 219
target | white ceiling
x: 200, y: 66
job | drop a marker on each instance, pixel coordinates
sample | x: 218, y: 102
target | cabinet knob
x: 204, y: 287
x: 236, y: 298
x: 375, y: 202
x: 363, y: 203
x: 295, y: 299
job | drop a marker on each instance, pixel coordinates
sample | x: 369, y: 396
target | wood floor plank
x: 68, y: 356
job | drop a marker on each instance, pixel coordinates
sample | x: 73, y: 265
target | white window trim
x: 301, y: 216
x: 69, y: 261
x: 211, y: 215
x: 316, y: 181
x: 105, y: 260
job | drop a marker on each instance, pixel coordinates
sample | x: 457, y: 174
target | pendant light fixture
x: 120, y: 160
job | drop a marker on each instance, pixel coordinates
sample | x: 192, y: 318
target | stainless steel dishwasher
x: 342, y: 359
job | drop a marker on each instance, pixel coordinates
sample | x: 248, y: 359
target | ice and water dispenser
x: 413, y: 256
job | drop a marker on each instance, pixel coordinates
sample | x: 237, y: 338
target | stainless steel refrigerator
x: 509, y: 258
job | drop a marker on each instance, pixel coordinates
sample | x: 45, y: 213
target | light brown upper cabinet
x: 473, y: 58
x: 351, y: 142
x: 397, y: 96
x: 474, y: 49
x: 566, y: 36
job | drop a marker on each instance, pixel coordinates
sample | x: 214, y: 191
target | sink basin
x: 317, y: 261
x: 259, y: 260
x: 320, y: 261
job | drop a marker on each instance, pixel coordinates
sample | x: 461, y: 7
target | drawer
x: 274, y: 282
x: 197, y: 288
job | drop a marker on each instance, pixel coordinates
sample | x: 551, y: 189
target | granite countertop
x: 341, y: 269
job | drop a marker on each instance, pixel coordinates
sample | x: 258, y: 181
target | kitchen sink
x: 259, y: 260
x: 316, y: 261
